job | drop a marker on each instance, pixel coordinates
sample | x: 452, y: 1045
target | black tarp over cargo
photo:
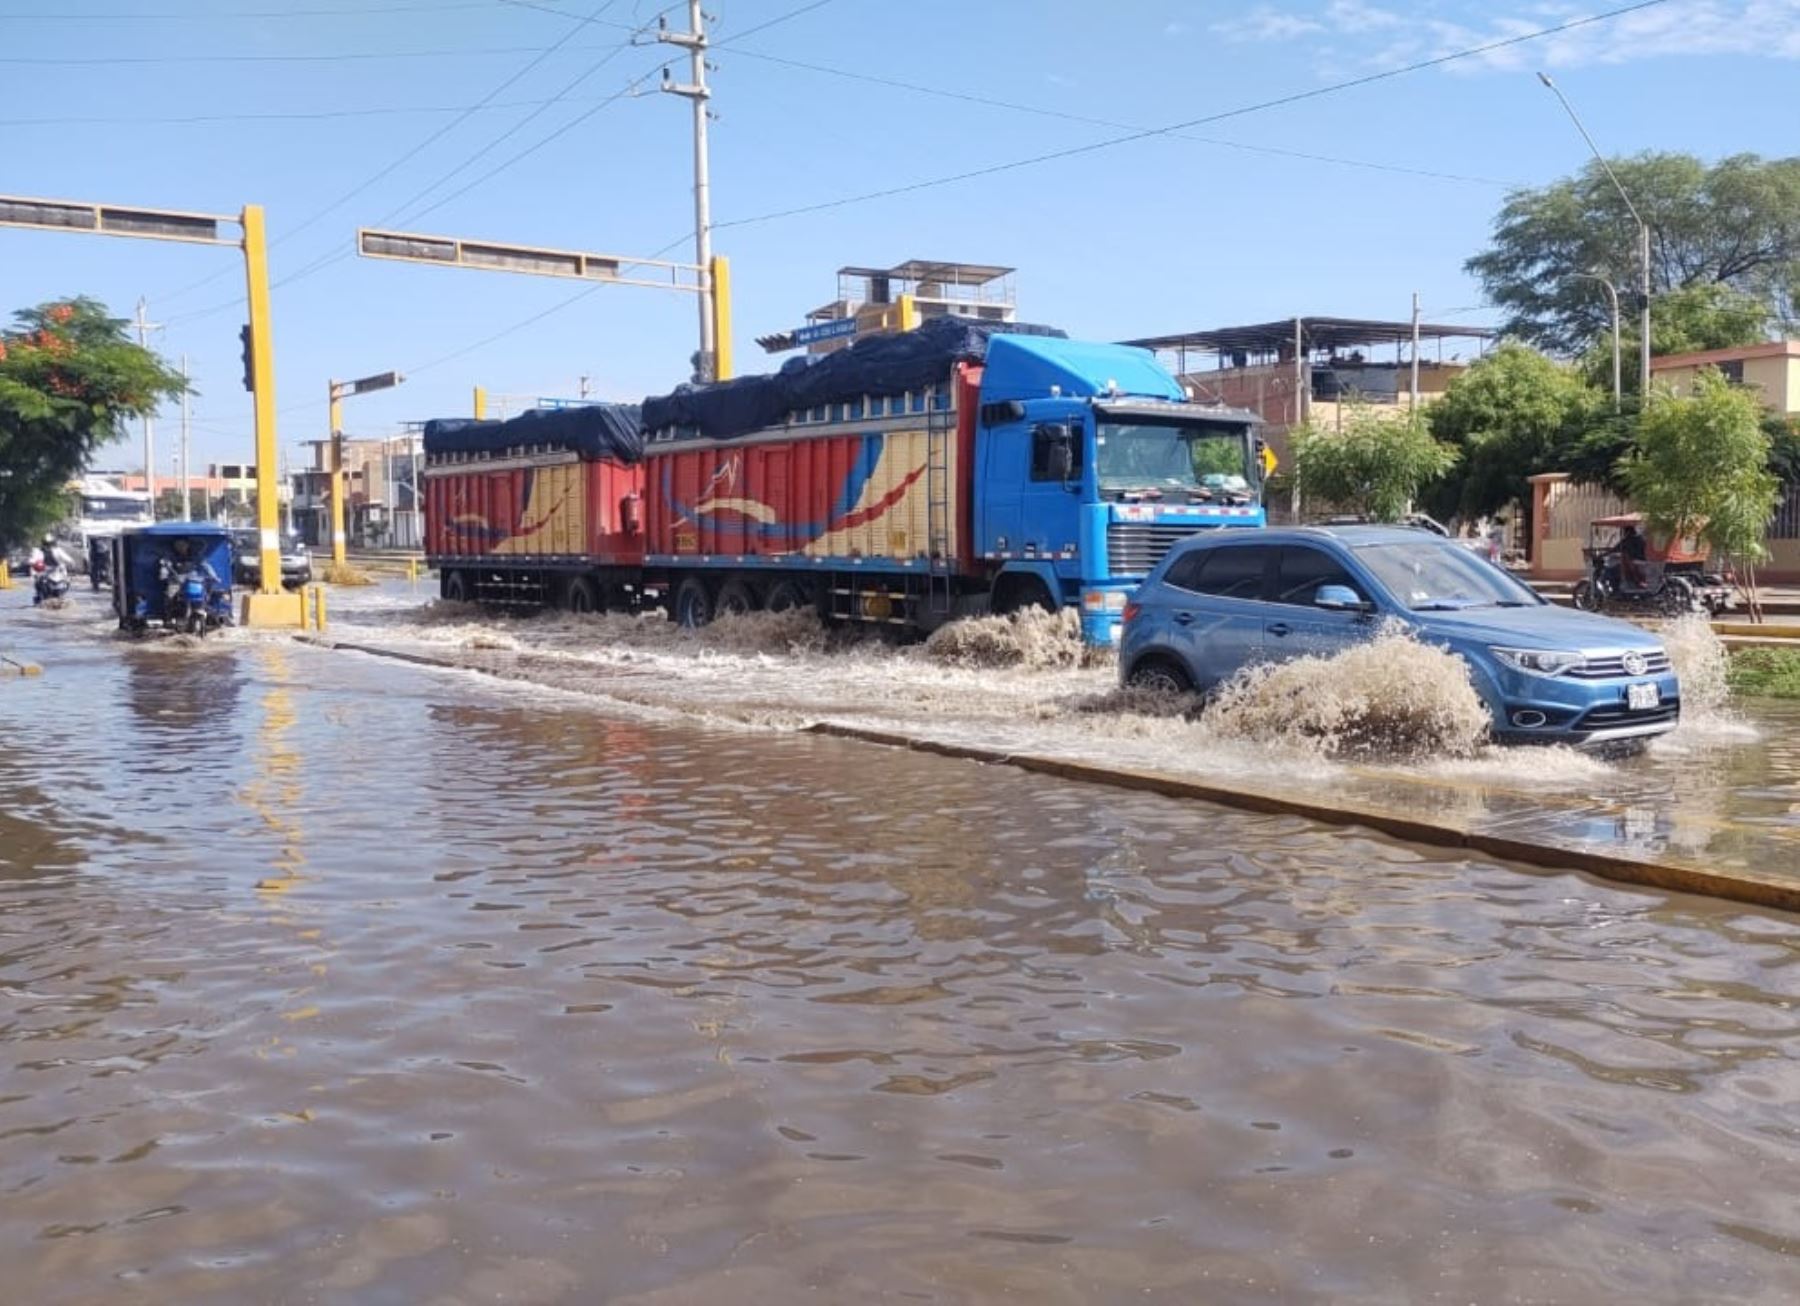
x: 875, y: 365
x: 594, y: 431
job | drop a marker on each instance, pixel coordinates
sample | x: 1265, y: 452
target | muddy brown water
x: 324, y: 979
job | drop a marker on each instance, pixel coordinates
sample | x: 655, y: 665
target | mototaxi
x: 173, y: 574
x: 1677, y: 573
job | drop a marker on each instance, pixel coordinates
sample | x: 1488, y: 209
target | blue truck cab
x: 1090, y: 464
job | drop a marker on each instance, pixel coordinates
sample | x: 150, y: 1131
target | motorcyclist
x: 48, y: 554
x: 172, y: 571
x: 1632, y: 553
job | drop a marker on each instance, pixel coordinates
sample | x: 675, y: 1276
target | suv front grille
x: 1611, y: 666
x: 1134, y: 547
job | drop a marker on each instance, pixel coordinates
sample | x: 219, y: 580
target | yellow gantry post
x: 337, y: 476
x: 262, y: 373
x: 719, y: 272
x: 909, y: 313
x: 480, y: 404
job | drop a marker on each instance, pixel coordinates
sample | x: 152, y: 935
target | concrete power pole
x: 144, y: 328
x: 694, y: 42
x: 1413, y: 394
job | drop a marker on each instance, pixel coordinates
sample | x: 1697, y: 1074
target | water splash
x: 1030, y: 638
x: 1702, y: 662
x: 1391, y: 697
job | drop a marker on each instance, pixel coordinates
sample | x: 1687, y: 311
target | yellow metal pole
x: 262, y: 365
x: 480, y: 404
x: 909, y: 312
x: 719, y: 272
x: 5, y: 575
x: 337, y: 478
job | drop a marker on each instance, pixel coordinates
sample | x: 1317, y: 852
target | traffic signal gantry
x: 269, y: 605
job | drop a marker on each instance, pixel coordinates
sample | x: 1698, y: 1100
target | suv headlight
x: 1539, y: 661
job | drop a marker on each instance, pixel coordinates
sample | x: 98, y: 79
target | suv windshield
x: 1199, y: 463
x: 1428, y: 575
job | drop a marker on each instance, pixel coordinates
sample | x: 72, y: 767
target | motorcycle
x: 189, y: 603
x: 99, y: 563
x: 49, y: 583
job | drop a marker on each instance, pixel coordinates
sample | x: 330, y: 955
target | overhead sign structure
x: 713, y: 280
x: 270, y: 605
x: 338, y: 391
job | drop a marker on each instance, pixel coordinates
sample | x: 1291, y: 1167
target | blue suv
x: 1547, y: 674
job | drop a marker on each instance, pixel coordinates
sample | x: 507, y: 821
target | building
x: 382, y: 507
x: 871, y: 299
x: 1301, y: 369
x: 1772, y: 369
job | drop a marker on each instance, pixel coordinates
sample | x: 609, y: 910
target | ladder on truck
x: 940, y: 441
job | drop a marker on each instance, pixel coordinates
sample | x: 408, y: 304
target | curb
x: 1666, y: 874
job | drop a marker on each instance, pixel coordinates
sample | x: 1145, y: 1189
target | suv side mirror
x: 1341, y: 598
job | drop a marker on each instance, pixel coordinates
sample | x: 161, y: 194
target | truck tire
x: 580, y: 598
x: 693, y: 604
x: 736, y: 597
x: 1018, y: 592
x: 455, y: 587
x: 786, y: 595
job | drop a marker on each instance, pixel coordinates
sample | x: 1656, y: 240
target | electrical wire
x: 214, y: 15
x: 1173, y: 129
x: 341, y: 56
x: 386, y: 171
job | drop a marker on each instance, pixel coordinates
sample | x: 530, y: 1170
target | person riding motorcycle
x: 45, y: 558
x: 1632, y: 553
x: 172, y: 571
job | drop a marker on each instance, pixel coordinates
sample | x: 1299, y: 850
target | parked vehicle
x: 1547, y: 674
x: 246, y: 559
x: 908, y: 479
x: 102, y: 510
x: 173, y: 574
x: 1675, y: 576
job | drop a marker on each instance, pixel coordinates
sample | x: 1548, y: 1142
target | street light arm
x: 1610, y: 174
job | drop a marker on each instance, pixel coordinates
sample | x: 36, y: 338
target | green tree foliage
x: 1735, y: 223
x: 69, y: 377
x: 1376, y: 465
x: 1699, y: 467
x: 1685, y: 321
x: 1511, y: 415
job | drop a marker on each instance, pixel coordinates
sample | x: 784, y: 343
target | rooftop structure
x: 868, y: 297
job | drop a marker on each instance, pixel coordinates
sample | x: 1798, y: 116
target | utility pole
x: 1612, y: 298
x: 187, y: 502
x: 1643, y: 241
x: 583, y: 387
x: 694, y: 42
x: 1413, y: 394
x: 144, y: 328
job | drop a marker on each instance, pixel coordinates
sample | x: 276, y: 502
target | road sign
x: 813, y: 332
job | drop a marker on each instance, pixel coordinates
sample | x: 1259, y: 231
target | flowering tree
x: 69, y: 377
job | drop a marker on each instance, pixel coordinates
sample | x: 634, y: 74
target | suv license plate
x: 1640, y: 698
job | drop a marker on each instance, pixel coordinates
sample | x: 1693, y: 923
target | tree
x: 69, y: 377
x: 1510, y: 415
x: 1736, y: 224
x: 1686, y: 321
x: 1376, y: 465
x: 1699, y: 469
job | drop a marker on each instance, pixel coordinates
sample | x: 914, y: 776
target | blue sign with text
x: 814, y: 332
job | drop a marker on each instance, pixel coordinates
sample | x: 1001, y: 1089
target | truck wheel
x: 579, y: 598
x: 736, y: 597
x: 786, y: 595
x: 455, y: 589
x: 1016, y: 593
x: 693, y: 604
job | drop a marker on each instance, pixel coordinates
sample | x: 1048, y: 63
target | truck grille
x: 1134, y: 547
x: 1611, y: 666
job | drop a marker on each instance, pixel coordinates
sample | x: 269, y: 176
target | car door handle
x: 1184, y: 618
x: 1278, y: 628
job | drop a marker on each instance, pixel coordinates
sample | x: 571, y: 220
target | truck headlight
x: 1539, y: 661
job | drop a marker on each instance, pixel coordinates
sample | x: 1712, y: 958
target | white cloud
x: 1767, y: 28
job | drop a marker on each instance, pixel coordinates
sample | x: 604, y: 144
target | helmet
x: 49, y: 541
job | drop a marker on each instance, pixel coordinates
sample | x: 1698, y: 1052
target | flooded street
x: 326, y: 978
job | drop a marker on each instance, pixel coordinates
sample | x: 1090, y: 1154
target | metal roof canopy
x: 1328, y: 333
x: 918, y: 269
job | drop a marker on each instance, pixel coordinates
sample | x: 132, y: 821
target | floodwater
x: 328, y: 979
x: 1722, y: 791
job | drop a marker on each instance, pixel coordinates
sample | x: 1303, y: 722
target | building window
x: 1732, y: 369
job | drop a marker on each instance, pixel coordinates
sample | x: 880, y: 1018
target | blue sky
x: 1207, y: 228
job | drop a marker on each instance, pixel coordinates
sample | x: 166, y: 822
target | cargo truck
x: 906, y: 480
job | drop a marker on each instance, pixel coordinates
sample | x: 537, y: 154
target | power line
x: 968, y: 97
x: 1173, y: 129
x: 398, y: 163
x: 341, y: 56
x: 304, y: 115
x: 214, y: 15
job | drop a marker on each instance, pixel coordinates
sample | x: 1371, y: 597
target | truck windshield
x: 1199, y: 463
